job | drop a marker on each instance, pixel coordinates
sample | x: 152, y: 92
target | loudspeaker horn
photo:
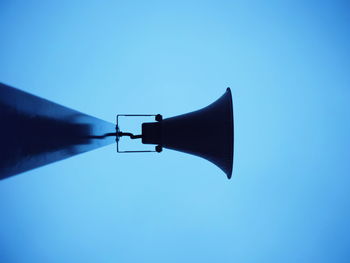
x: 207, y: 133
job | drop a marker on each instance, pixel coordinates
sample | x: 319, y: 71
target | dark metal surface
x: 35, y: 132
x: 207, y: 133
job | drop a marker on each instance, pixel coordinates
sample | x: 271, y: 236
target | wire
x: 117, y: 134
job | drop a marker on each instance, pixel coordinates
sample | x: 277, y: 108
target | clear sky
x: 288, y: 65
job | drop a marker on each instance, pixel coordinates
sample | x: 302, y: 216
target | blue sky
x: 287, y: 63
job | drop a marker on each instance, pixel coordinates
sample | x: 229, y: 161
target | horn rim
x: 231, y: 117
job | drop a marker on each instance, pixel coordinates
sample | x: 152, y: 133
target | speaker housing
x: 207, y: 133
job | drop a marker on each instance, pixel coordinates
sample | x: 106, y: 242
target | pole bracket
x: 119, y: 134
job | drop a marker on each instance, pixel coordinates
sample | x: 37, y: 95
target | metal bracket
x: 158, y: 117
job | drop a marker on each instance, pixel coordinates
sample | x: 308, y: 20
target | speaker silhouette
x: 207, y: 133
x: 36, y: 132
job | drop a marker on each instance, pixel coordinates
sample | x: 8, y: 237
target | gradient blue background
x: 288, y: 65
